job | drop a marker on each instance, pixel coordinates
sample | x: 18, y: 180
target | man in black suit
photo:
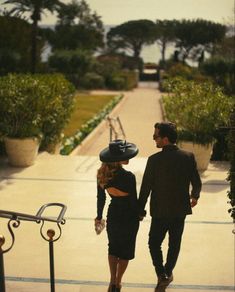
x: 167, y: 179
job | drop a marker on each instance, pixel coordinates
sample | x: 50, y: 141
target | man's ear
x: 165, y: 141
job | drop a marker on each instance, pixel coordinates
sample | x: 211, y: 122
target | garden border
x: 100, y: 127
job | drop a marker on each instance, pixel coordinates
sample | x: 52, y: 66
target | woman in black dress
x: 122, y: 216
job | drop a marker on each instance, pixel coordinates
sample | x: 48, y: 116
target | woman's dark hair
x: 167, y: 129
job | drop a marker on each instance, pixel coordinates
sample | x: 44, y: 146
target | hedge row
x: 71, y: 143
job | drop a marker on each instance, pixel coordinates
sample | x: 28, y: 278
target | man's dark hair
x: 167, y: 129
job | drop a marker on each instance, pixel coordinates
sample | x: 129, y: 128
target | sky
x: 114, y: 12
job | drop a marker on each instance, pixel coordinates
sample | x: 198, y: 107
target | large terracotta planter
x: 201, y: 152
x: 22, y: 152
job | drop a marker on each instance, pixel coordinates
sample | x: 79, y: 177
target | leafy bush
x: 131, y: 78
x: 92, y: 81
x: 15, y: 45
x: 22, y: 101
x: 59, y: 106
x: 107, y: 66
x: 116, y: 82
x: 68, y: 62
x: 183, y: 71
x: 222, y: 71
x: 34, y: 105
x: 123, y: 80
x: 180, y: 70
x: 197, y: 109
x: 111, y: 67
x: 231, y: 178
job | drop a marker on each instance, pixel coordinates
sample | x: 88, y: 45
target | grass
x: 86, y: 106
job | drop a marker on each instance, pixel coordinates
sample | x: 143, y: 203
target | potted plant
x: 231, y: 176
x: 25, y: 104
x: 20, y: 118
x: 60, y: 100
x: 198, y: 109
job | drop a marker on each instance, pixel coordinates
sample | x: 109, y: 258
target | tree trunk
x: 163, y: 51
x: 34, y: 46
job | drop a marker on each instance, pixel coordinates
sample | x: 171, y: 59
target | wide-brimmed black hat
x: 118, y: 150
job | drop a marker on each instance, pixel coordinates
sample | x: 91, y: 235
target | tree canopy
x: 35, y: 8
x: 164, y: 34
x: 77, y: 28
x: 131, y: 35
x: 196, y: 36
x: 15, y: 44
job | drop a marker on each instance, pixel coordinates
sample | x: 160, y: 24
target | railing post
x: 14, y: 221
x: 110, y: 134
x: 51, y: 234
x: 2, y: 275
x: 114, y: 126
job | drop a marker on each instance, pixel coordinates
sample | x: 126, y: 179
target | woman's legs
x: 117, y: 268
x: 113, y: 262
x: 121, y: 268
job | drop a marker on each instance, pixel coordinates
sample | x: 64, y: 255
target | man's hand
x: 193, y: 202
x: 141, y: 218
x: 142, y: 215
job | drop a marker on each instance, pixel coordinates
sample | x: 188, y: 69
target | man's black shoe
x: 164, y: 280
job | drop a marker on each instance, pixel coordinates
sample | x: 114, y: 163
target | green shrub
x: 198, y: 109
x: 22, y: 101
x: 59, y: 107
x: 222, y: 71
x: 106, y: 66
x: 180, y: 70
x: 35, y: 105
x: 70, y: 62
x: 116, y: 82
x: 92, y: 81
x: 112, y: 69
x: 231, y: 177
x: 131, y: 78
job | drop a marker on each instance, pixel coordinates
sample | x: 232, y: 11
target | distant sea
x: 150, y: 53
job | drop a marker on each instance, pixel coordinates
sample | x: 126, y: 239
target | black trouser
x: 159, y: 228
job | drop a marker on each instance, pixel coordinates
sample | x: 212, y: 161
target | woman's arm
x: 101, y: 197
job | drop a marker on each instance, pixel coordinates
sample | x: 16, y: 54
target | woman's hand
x: 99, y: 225
x: 97, y: 221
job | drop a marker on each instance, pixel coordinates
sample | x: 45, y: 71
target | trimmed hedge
x: 198, y: 109
x: 222, y: 71
x: 231, y: 177
x: 35, y: 105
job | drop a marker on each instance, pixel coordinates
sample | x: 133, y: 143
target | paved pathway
x: 206, y: 262
x: 138, y: 111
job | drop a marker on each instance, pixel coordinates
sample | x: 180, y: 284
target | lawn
x: 86, y: 106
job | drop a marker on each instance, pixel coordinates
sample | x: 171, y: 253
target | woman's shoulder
x: 127, y: 173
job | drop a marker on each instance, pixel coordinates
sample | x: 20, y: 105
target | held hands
x: 142, y: 215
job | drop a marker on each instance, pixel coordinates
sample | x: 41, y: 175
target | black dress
x: 122, y: 216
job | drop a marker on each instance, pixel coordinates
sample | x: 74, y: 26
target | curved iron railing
x: 14, y: 222
x: 116, y: 128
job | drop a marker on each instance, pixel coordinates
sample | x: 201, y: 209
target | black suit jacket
x: 167, y: 179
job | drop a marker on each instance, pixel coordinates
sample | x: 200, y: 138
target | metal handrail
x: 37, y: 218
x: 112, y: 128
x: 14, y: 221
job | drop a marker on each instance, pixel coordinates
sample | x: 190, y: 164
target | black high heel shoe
x: 112, y: 288
x: 118, y: 289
